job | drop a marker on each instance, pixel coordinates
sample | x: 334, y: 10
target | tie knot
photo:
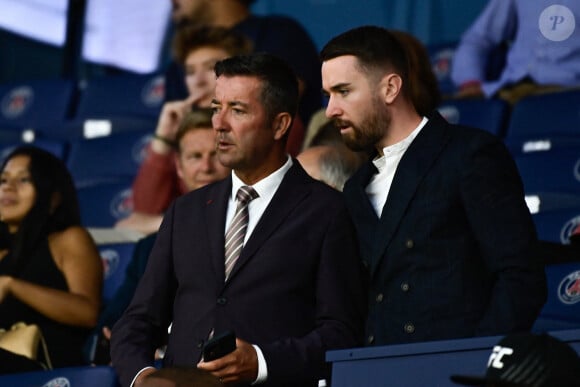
x: 246, y: 194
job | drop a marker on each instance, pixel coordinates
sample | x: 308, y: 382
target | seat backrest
x: 441, y: 56
x: 554, y: 170
x: 34, y: 103
x: 128, y: 95
x: 557, y: 225
x: 562, y: 308
x: 115, y: 258
x: 553, y: 118
x: 116, y: 156
x: 89, y: 376
x: 104, y: 203
x: 488, y: 114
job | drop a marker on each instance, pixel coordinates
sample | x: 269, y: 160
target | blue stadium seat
x: 105, y: 158
x: 441, y: 56
x: 557, y: 225
x: 36, y: 103
x: 59, y: 148
x: 562, y: 309
x: 98, y: 376
x: 128, y: 95
x: 115, y: 258
x: 547, y: 121
x: 488, y: 114
x: 554, y: 170
x: 103, y: 204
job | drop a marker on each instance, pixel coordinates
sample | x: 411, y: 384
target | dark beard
x: 372, y: 129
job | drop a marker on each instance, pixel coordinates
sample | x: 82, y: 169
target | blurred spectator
x: 50, y: 270
x: 198, y: 49
x: 331, y: 164
x: 423, y: 85
x: 543, y: 52
x: 278, y: 35
x: 528, y: 360
x: 195, y: 164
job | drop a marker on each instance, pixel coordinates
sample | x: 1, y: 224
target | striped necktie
x: 237, y: 229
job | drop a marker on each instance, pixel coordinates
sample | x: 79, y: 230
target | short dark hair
x: 376, y: 49
x: 279, y: 83
x: 198, y: 118
x: 190, y: 37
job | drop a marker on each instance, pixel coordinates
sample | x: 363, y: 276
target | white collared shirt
x: 378, y: 188
x: 266, y: 188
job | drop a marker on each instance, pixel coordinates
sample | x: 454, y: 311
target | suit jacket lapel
x: 215, y: 216
x: 412, y: 168
x: 291, y: 191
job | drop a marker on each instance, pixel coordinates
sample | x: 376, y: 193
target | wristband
x: 165, y: 140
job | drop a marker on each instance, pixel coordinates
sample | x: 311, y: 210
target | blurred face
x: 199, y: 73
x: 194, y: 10
x: 17, y: 194
x: 197, y: 162
x: 354, y: 103
x: 245, y: 138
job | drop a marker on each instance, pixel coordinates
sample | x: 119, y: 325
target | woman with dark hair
x: 50, y: 270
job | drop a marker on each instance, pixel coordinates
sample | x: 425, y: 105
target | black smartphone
x: 219, y: 346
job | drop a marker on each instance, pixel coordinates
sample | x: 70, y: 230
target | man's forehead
x: 238, y: 87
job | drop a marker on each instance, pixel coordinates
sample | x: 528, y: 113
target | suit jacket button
x: 380, y: 297
x: 409, y: 243
x: 222, y: 301
x: 405, y: 287
x: 200, y: 344
x: 371, y: 339
x: 409, y: 328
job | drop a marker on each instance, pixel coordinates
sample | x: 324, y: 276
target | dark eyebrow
x: 336, y: 87
x: 238, y: 104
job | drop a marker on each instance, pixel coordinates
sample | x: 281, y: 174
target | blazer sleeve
x: 143, y: 326
x: 340, y: 309
x: 493, y: 197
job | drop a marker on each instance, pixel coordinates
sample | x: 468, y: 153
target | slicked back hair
x: 377, y: 50
x: 279, y: 92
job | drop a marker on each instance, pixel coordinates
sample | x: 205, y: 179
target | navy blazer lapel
x: 291, y: 191
x: 412, y: 168
x: 216, y: 206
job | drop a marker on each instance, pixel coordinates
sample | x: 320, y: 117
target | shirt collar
x: 268, y: 185
x: 399, y: 147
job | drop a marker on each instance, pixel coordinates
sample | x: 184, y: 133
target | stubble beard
x: 365, y: 136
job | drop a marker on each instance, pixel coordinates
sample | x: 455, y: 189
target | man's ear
x: 391, y: 86
x: 281, y: 125
x: 178, y: 167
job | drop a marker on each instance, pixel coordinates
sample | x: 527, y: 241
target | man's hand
x: 239, y: 366
x: 5, y: 282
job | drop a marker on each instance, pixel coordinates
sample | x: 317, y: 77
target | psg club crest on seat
x: 58, y: 382
x: 17, y: 101
x: 122, y: 204
x: 110, y: 259
x: 568, y: 228
x: 153, y: 93
x: 569, y: 288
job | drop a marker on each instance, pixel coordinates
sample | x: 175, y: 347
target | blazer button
x: 379, y: 298
x: 222, y: 301
x: 409, y: 328
x: 371, y: 339
x: 409, y: 243
x: 365, y: 264
x: 405, y: 287
x: 200, y: 344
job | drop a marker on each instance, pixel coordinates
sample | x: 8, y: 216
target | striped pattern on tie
x: 237, y: 229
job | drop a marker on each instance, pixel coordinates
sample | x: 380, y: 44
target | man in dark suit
x: 439, y: 209
x: 295, y: 290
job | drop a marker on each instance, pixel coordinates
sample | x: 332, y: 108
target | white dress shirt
x: 378, y: 188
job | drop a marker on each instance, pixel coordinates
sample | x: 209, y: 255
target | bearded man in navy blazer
x: 439, y: 209
x: 296, y: 289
